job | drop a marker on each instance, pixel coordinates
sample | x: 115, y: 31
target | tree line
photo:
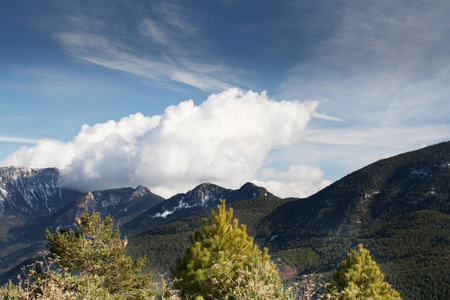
x: 221, y: 262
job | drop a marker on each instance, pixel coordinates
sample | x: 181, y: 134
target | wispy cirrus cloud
x: 101, y: 51
x: 385, y: 66
x: 384, y: 62
x: 165, y: 47
x: 12, y: 139
x: 392, y: 138
x: 155, y: 32
x: 383, y: 72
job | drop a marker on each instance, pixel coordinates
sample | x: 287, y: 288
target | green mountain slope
x: 413, y: 249
x: 408, y: 182
x: 397, y: 207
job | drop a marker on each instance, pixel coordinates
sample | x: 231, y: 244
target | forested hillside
x: 397, y: 207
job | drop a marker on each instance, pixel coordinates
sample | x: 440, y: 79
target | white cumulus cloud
x: 224, y: 140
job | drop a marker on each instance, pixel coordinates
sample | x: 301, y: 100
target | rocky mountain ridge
x: 202, y: 197
x: 38, y: 193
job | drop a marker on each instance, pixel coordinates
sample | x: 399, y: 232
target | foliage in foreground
x: 42, y: 281
x: 222, y: 262
x: 360, y: 278
x: 96, y: 249
x: 92, y: 265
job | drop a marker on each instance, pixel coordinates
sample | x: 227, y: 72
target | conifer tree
x: 96, y: 249
x: 222, y: 262
x: 360, y: 278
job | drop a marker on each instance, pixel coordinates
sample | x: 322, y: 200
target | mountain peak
x: 203, y: 194
x: 140, y: 191
x: 252, y: 191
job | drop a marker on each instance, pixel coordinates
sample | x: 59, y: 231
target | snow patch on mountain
x: 183, y: 205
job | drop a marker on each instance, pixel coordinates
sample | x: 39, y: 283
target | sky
x: 289, y: 95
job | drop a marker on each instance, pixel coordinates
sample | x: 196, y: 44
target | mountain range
x: 32, y: 200
x: 397, y: 207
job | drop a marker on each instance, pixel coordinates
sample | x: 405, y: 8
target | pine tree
x: 95, y: 249
x: 223, y: 262
x: 360, y: 278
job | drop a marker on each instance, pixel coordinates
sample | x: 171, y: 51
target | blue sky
x: 291, y: 95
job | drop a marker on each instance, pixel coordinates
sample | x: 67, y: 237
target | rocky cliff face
x: 32, y: 193
x: 123, y: 204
